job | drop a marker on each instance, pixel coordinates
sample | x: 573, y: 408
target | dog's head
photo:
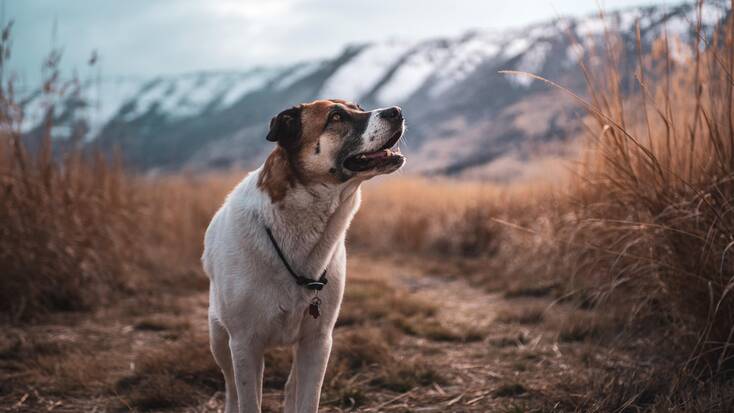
x: 335, y: 140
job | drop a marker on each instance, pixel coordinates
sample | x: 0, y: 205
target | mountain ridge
x: 462, y: 114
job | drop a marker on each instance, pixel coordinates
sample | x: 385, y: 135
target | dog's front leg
x: 290, y: 387
x: 311, y: 357
x: 249, y: 361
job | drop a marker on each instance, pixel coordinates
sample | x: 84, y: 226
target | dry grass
x: 645, y: 228
x: 159, y: 359
x: 655, y: 193
x: 642, y: 234
x: 440, y: 331
x: 524, y: 314
x: 362, y: 362
x: 76, y: 229
x: 161, y: 379
x: 374, y: 300
x: 438, y: 216
x: 72, y: 252
x: 99, y: 233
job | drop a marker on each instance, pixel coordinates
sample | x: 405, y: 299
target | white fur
x: 375, y: 133
x: 254, y: 301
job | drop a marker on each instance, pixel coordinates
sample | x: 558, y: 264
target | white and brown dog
x: 279, y: 238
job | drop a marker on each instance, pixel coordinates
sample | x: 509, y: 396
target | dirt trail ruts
x: 504, y: 354
x: 511, y: 359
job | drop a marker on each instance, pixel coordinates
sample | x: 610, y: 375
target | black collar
x: 309, y: 283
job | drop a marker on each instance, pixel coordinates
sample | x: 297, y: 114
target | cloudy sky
x: 145, y: 38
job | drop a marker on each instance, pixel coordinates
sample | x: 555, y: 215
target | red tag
x: 313, y: 309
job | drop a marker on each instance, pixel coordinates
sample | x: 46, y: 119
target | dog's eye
x: 336, y: 117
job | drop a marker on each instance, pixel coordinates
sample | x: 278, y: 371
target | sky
x: 148, y: 38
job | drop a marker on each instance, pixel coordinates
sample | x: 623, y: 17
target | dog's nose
x: 393, y: 113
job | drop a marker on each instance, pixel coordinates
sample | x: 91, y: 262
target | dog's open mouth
x: 382, y: 157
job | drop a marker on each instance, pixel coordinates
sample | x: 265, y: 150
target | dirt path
x: 489, y: 352
x: 505, y: 354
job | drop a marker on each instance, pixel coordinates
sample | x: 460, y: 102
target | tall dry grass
x: 646, y: 226
x: 657, y: 186
x: 649, y: 215
x: 68, y: 230
x: 76, y: 229
x: 79, y: 231
x: 66, y: 224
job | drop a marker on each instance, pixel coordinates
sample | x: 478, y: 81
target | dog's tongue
x: 377, y: 154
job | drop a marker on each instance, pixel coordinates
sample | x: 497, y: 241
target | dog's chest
x: 289, y: 322
x: 292, y: 318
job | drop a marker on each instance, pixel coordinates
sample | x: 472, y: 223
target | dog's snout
x: 393, y: 113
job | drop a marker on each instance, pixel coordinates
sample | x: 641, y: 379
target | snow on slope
x: 242, y: 84
x: 174, y: 97
x: 412, y: 74
x: 105, y: 99
x: 591, y: 26
x: 296, y: 73
x: 433, y: 66
x: 710, y: 14
x: 532, y: 61
x: 358, y: 76
x: 190, y: 95
x: 111, y: 96
x: 464, y: 56
x: 628, y: 19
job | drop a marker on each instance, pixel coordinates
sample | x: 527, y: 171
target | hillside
x: 464, y: 117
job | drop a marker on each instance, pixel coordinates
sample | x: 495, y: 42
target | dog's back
x: 231, y: 226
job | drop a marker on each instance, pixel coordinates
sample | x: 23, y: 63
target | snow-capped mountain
x: 462, y: 114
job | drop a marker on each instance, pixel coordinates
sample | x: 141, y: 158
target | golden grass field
x: 609, y: 289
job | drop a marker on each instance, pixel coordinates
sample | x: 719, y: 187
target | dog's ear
x: 285, y: 128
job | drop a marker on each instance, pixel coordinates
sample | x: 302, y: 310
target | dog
x: 275, y: 253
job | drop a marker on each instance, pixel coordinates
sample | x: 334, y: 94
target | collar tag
x: 313, y: 308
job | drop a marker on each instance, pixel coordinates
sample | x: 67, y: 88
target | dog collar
x: 309, y: 283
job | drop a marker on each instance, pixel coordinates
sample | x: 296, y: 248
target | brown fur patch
x: 284, y: 167
x: 276, y: 176
x: 348, y: 104
x: 313, y: 119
